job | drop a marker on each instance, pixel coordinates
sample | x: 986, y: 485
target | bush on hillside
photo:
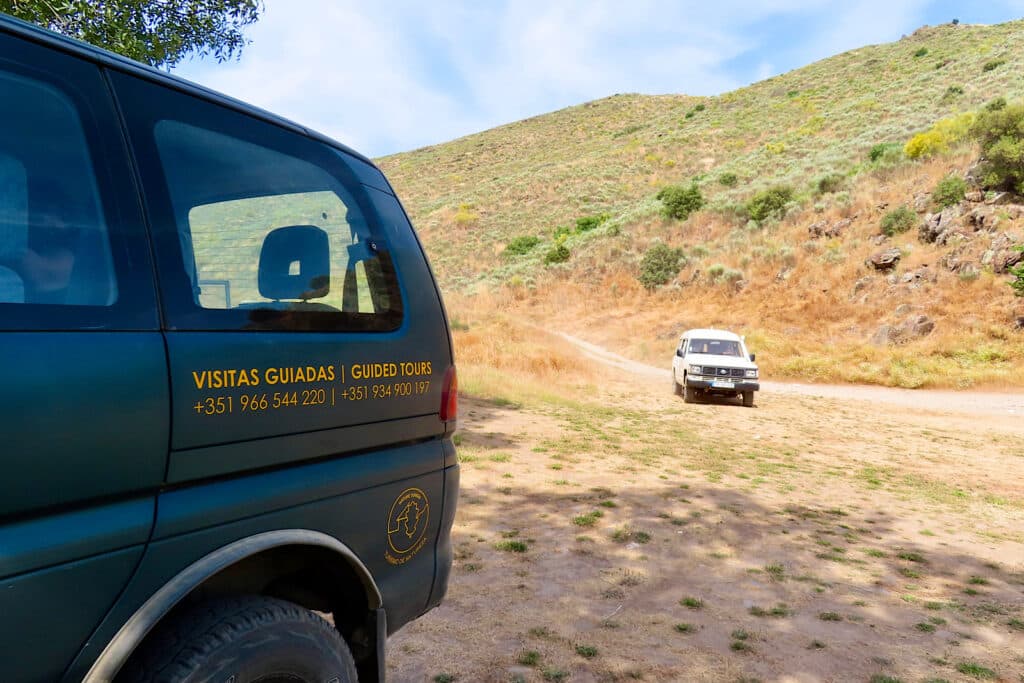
x: 921, y: 52
x: 996, y: 104
x: 770, y: 203
x: 561, y: 232
x: 521, y: 245
x: 660, y: 264
x: 833, y: 182
x: 940, y: 137
x: 728, y: 179
x: 900, y: 219
x: 882, y: 150
x: 557, y: 254
x: 993, y: 64
x: 1001, y: 134
x: 590, y: 222
x: 1018, y: 274
x: 950, y: 191
x: 679, y: 202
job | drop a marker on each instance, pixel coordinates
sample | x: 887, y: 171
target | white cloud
x: 388, y: 77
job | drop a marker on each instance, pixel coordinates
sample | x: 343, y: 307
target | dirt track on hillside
x: 826, y: 539
x: 992, y: 403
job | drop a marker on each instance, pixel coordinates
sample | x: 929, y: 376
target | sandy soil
x: 818, y: 537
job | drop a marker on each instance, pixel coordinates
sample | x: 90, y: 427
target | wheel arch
x: 215, y: 571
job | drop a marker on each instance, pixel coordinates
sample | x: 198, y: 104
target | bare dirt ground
x: 630, y: 536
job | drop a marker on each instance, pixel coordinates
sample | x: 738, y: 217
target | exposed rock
x: 903, y: 309
x: 950, y: 261
x: 1005, y: 260
x: 936, y: 225
x: 817, y: 228
x: 982, y: 218
x: 892, y: 279
x: 861, y: 284
x: 823, y: 229
x: 882, y: 337
x: 1001, y: 198
x: 914, y: 327
x: 839, y: 227
x: 974, y: 173
x: 922, y: 201
x: 975, y: 196
x: 784, y: 274
x: 968, y: 271
x: 884, y: 260
x: 879, y: 240
x: 1019, y: 325
x: 986, y: 258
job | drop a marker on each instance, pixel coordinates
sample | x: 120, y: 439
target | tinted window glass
x: 54, y: 242
x: 272, y: 237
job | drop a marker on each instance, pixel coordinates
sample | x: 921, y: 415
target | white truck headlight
x: 751, y: 374
x: 696, y: 369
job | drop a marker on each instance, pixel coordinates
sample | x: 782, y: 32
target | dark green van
x: 228, y: 389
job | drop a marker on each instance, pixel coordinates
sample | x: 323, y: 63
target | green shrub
x: 770, y: 203
x: 921, y: 52
x: 952, y: 92
x: 590, y: 222
x: 900, y: 219
x: 660, y: 264
x: 521, y: 245
x: 1018, y: 274
x: 728, y: 179
x: 833, y: 182
x: 993, y: 64
x: 699, y: 107
x: 881, y: 150
x: 950, y: 191
x: 561, y: 232
x: 1001, y: 134
x: 939, y: 138
x: 679, y: 202
x: 996, y: 104
x: 557, y: 254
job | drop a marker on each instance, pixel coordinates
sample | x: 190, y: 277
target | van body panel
x: 358, y: 519
x: 48, y: 615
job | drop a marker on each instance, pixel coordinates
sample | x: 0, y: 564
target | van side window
x: 270, y: 239
x: 54, y: 242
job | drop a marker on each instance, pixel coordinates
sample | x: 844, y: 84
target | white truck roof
x: 710, y: 334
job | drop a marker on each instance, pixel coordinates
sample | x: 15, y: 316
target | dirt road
x: 629, y: 536
x: 978, y: 402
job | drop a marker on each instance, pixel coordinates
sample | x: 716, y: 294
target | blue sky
x: 393, y: 76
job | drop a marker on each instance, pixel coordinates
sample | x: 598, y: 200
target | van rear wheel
x: 250, y: 638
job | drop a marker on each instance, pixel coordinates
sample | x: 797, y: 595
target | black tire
x: 245, y: 639
x: 748, y: 399
x: 689, y: 395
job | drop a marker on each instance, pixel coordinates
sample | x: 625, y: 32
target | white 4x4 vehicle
x: 714, y: 362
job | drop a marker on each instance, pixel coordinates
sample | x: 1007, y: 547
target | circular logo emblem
x: 407, y: 525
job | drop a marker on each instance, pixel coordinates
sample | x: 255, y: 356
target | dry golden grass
x: 810, y: 326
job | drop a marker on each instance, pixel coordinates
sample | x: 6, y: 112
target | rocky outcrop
x: 937, y: 227
x: 824, y: 229
x: 914, y: 327
x: 884, y: 260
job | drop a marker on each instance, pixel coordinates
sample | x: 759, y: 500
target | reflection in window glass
x: 260, y: 229
x: 54, y: 245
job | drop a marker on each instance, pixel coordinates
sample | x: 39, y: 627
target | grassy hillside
x: 793, y: 295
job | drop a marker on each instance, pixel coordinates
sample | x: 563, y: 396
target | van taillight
x: 450, y: 395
